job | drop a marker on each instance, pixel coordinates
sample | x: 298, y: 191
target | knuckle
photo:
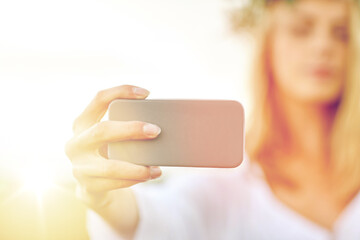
x: 101, y: 96
x: 129, y: 90
x: 143, y: 172
x: 134, y: 129
x: 126, y: 87
x: 138, y: 125
x: 99, y: 130
x: 107, y: 169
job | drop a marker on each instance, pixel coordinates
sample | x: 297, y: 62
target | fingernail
x: 151, y: 129
x: 140, y: 91
x: 155, y: 172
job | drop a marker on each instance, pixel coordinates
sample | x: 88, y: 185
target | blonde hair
x: 255, y: 18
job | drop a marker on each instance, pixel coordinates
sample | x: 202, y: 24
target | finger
x: 97, y: 185
x: 94, y: 112
x: 116, y: 169
x: 113, y: 131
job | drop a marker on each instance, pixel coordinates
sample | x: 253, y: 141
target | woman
x: 301, y: 175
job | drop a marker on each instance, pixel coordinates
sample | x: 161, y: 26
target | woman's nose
x: 323, y: 43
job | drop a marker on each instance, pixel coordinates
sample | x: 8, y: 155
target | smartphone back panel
x: 194, y: 133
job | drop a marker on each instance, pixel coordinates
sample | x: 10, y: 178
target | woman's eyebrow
x: 308, y: 17
x: 302, y: 15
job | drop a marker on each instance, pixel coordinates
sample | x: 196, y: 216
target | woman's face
x: 308, y: 49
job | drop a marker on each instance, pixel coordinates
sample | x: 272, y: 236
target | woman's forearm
x: 121, y: 212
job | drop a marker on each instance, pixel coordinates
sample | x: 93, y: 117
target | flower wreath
x: 247, y: 15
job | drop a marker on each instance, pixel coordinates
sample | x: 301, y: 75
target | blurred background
x: 56, y: 55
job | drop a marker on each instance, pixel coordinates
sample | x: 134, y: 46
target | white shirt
x: 230, y: 205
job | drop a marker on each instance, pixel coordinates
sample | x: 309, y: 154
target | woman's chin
x: 322, y: 99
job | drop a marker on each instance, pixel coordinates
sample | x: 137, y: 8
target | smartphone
x: 194, y: 132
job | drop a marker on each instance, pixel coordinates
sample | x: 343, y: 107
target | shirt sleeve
x: 190, y: 206
x: 98, y: 228
x: 170, y: 211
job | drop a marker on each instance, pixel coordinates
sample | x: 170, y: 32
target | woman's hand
x: 96, y: 174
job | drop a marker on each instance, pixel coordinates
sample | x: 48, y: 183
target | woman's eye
x: 300, y: 30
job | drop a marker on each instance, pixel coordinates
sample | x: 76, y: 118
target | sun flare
x: 36, y: 181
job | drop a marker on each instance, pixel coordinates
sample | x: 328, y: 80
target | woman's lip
x: 322, y: 72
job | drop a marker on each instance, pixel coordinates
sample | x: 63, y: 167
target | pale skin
x: 310, y: 38
x: 104, y: 184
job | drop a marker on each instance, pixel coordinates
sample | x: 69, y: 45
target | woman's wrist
x: 93, y: 200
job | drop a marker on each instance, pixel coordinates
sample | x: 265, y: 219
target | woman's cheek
x: 287, y: 67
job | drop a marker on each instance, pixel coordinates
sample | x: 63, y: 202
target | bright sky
x: 55, y: 56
